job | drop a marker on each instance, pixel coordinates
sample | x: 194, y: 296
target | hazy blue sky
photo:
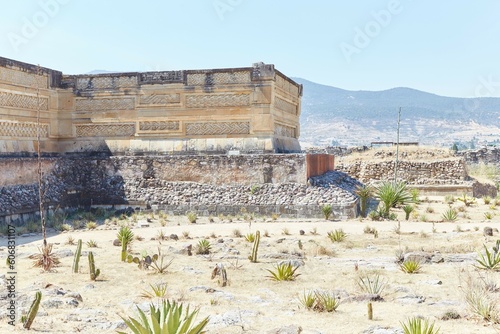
x: 448, y: 47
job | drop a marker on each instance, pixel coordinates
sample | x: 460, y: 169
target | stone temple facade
x: 250, y: 109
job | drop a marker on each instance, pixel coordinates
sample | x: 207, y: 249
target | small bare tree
x: 45, y: 259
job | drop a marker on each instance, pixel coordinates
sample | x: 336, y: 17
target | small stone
x: 437, y: 258
x: 75, y: 295
x: 291, y: 329
x: 488, y: 231
x: 72, y: 302
x: 302, y: 232
x: 174, y: 237
x: 117, y: 242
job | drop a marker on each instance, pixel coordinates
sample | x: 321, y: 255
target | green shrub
x: 418, y: 326
x: 167, y: 317
x: 468, y: 201
x: 489, y: 260
x: 392, y: 194
x: 284, y: 271
x: 450, y: 215
x: 374, y: 215
x: 203, y: 247
x: 326, y: 301
x: 337, y: 235
x: 192, y: 217
x: 372, y: 284
x: 364, y: 193
x: 327, y: 211
x: 408, y: 209
x: 91, y: 225
x: 250, y: 237
x: 410, y: 266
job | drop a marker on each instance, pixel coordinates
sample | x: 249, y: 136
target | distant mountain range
x: 334, y: 116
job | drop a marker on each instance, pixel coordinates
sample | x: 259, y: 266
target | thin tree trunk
x: 40, y: 173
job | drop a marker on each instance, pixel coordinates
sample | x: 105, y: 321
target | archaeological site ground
x: 191, y: 187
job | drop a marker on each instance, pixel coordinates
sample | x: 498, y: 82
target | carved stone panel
x: 286, y: 85
x: 107, y: 82
x: 161, y: 77
x: 159, y: 126
x: 160, y: 99
x: 105, y: 130
x: 23, y: 101
x: 23, y: 130
x: 127, y: 103
x: 219, y: 128
x: 22, y: 78
x: 284, y: 131
x: 217, y: 100
x: 285, y: 106
x: 218, y: 78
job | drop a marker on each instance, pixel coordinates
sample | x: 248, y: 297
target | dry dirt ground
x: 253, y: 303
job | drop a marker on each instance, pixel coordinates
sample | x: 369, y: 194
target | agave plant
x: 337, y: 235
x: 450, y: 215
x: 167, y: 317
x: 418, y: 326
x: 489, y: 260
x: 392, y: 194
x: 408, y: 209
x: 364, y: 193
x: 284, y: 272
x: 410, y: 266
x: 327, y: 210
x: 203, y: 247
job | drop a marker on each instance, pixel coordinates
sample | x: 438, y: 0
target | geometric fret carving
x: 107, y: 82
x: 160, y: 99
x: 159, y: 125
x: 105, y: 130
x: 218, y: 78
x: 22, y: 78
x: 22, y: 101
x: 285, y: 105
x: 286, y: 85
x: 284, y: 131
x: 217, y: 128
x: 105, y: 104
x: 217, y: 100
x: 161, y: 77
x: 24, y: 130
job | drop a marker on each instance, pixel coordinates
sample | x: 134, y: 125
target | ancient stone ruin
x: 249, y: 109
x: 211, y: 141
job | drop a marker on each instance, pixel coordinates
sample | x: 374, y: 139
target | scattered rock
x: 365, y: 298
x: 382, y: 330
x: 302, y: 232
x: 488, y: 231
x: 174, y: 237
x: 421, y: 257
x: 437, y: 258
x: 53, y: 303
x: 433, y: 282
x: 117, y: 242
x: 291, y: 329
x: 411, y: 299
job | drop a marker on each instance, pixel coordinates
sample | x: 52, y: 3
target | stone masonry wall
x: 446, y: 172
